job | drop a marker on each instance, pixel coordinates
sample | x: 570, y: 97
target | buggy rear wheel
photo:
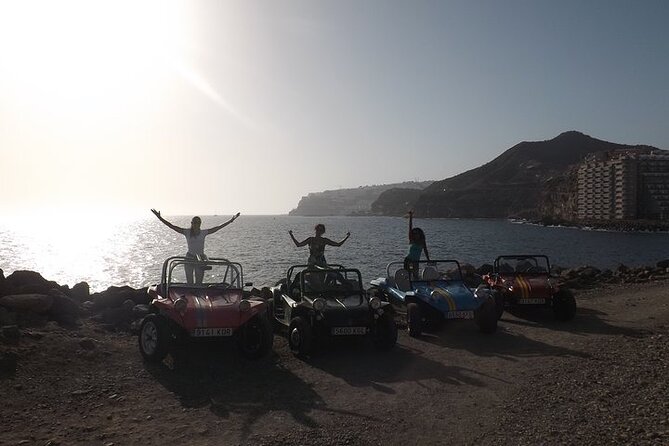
x: 414, y: 320
x: 154, y: 338
x: 255, y: 338
x: 564, y: 305
x: 300, y: 336
x: 385, y: 333
x: 486, y: 316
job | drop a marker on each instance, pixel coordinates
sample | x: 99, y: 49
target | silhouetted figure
x: 317, y: 245
x: 417, y: 245
x: 195, y: 239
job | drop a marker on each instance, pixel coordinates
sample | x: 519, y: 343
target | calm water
x: 131, y: 252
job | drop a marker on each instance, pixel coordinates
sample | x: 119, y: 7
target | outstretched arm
x: 298, y: 244
x: 331, y: 243
x: 221, y: 226
x: 167, y: 223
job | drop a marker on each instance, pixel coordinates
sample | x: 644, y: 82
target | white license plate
x: 346, y: 331
x: 531, y: 301
x: 460, y: 315
x: 211, y: 332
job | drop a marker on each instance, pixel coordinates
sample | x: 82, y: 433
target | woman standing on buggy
x: 417, y: 245
x: 195, y: 240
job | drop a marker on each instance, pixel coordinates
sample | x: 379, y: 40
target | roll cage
x: 220, y: 272
x: 524, y: 264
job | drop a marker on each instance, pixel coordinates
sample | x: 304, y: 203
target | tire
x: 255, y: 338
x: 385, y: 333
x: 414, y: 320
x: 300, y: 336
x: 499, y: 303
x: 376, y: 292
x: 154, y: 338
x: 486, y: 316
x: 564, y: 305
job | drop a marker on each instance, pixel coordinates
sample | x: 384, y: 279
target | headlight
x: 180, y: 304
x: 244, y: 305
x: 375, y: 303
x: 319, y: 304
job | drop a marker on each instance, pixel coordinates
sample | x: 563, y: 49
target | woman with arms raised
x: 195, y: 240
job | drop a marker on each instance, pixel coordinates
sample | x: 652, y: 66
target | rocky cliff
x: 356, y: 201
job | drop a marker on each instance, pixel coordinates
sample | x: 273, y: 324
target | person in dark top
x: 317, y: 245
x: 417, y: 245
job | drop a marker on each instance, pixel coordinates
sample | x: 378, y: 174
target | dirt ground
x: 602, y: 378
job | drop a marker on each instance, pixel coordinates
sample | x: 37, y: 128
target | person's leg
x: 199, y: 274
x: 188, y: 267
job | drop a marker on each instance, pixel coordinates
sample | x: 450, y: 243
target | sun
x: 79, y: 60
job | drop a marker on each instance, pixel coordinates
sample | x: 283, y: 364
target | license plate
x: 211, y: 332
x: 346, y: 331
x: 460, y: 315
x: 532, y: 301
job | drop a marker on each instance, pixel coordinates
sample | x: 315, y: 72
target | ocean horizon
x: 131, y: 251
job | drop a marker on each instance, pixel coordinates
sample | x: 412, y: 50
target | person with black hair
x: 317, y: 245
x: 417, y: 244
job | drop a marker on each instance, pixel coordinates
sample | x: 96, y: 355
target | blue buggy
x: 434, y: 292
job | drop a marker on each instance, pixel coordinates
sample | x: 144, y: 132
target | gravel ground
x: 599, y: 379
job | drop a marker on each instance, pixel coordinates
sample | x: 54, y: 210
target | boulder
x: 663, y: 264
x: 114, y: 297
x: 35, y: 303
x: 486, y: 268
x: 139, y: 311
x: 64, y: 310
x: 7, y: 317
x: 588, y: 272
x: 10, y: 333
x: 80, y: 292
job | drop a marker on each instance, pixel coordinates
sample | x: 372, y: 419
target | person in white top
x: 195, y: 239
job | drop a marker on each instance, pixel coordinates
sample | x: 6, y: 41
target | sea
x: 130, y: 251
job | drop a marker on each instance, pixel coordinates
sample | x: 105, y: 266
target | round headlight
x: 244, y: 305
x: 180, y: 304
x: 319, y: 304
x: 375, y: 303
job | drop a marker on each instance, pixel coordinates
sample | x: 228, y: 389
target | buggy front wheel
x: 154, y: 338
x: 414, y: 320
x: 300, y: 336
x: 385, y: 334
x: 486, y: 316
x: 255, y: 338
x: 564, y: 305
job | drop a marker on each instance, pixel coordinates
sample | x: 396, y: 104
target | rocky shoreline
x: 27, y: 299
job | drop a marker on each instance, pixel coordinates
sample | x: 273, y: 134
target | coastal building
x: 624, y: 185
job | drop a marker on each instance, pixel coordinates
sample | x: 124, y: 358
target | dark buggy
x: 313, y: 304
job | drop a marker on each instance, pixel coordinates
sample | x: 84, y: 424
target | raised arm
x: 221, y: 226
x: 410, y: 224
x: 298, y: 244
x: 331, y: 243
x: 167, y: 223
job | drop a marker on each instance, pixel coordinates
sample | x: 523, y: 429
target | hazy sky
x: 213, y: 107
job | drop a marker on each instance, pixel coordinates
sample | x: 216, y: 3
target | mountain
x: 356, y: 201
x: 531, y: 179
